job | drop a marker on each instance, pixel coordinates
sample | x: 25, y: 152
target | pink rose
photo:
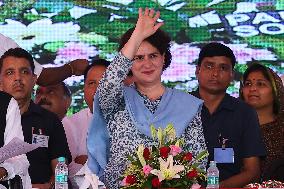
x: 147, y: 169
x: 195, y: 186
x: 175, y: 150
x: 123, y: 182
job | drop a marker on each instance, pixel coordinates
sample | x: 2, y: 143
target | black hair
x: 96, y: 62
x: 216, y: 49
x: 257, y: 67
x: 18, y: 53
x: 160, y: 40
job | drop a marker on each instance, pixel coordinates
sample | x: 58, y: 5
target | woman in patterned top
x: 263, y: 89
x: 128, y: 112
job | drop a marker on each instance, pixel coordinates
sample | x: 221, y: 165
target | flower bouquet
x: 266, y: 184
x: 165, y: 165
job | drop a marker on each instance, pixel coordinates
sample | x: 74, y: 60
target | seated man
x: 230, y: 126
x: 76, y: 126
x: 48, y: 76
x: 10, y: 127
x: 39, y: 125
x: 55, y: 98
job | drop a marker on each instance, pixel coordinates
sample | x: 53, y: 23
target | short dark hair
x: 160, y: 40
x: 266, y: 72
x: 18, y: 53
x: 96, y: 62
x: 216, y: 49
x: 66, y: 89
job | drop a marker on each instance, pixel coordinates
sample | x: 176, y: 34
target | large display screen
x: 56, y: 32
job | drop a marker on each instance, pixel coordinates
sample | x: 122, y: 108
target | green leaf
x: 91, y: 22
x: 63, y: 16
x: 195, y: 165
x: 200, y: 170
x: 142, y: 3
x: 90, y: 4
x: 202, y: 155
x: 130, y: 158
x: 93, y: 38
x: 32, y: 17
x: 44, y: 6
x: 147, y: 184
x: 53, y: 46
x: 106, y: 29
x: 14, y: 9
x: 198, y: 34
x: 241, y: 67
x: 279, y: 5
x: 108, y: 47
x: 270, y: 42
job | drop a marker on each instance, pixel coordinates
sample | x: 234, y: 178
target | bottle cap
x: 212, y: 163
x: 61, y: 159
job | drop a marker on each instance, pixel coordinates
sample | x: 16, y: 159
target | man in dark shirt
x: 231, y: 127
x: 39, y: 125
x: 55, y: 98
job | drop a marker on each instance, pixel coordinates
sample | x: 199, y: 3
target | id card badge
x: 224, y: 155
x: 40, y: 140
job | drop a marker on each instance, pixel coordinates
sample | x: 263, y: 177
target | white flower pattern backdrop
x: 58, y: 31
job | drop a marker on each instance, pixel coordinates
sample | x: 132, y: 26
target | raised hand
x: 79, y: 66
x: 147, y: 23
x: 146, y: 26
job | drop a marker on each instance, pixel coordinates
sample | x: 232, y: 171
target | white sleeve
x: 13, y: 122
x: 17, y: 165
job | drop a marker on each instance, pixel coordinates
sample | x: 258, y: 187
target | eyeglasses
x: 257, y: 84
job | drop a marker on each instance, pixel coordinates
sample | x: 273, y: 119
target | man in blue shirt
x: 231, y: 127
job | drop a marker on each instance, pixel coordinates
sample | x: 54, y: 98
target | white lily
x: 153, y: 131
x: 167, y: 170
x: 179, y: 142
x: 160, y: 136
x: 140, y: 154
x: 170, y: 132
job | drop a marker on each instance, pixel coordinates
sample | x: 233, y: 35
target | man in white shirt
x: 10, y: 123
x: 48, y: 76
x: 76, y: 126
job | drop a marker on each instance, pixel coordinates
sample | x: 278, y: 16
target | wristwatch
x: 5, y: 174
x: 51, y: 185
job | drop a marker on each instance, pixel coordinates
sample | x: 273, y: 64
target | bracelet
x: 3, y: 177
x: 71, y: 67
x: 51, y: 185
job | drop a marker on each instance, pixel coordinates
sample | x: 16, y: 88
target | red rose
x: 164, y: 151
x: 187, y: 156
x: 146, y: 153
x: 192, y: 174
x: 155, y: 182
x: 131, y: 179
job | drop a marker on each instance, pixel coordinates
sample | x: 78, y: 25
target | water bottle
x: 212, y: 176
x: 61, y: 174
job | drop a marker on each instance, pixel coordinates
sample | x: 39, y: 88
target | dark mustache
x: 43, y: 102
x: 18, y: 84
